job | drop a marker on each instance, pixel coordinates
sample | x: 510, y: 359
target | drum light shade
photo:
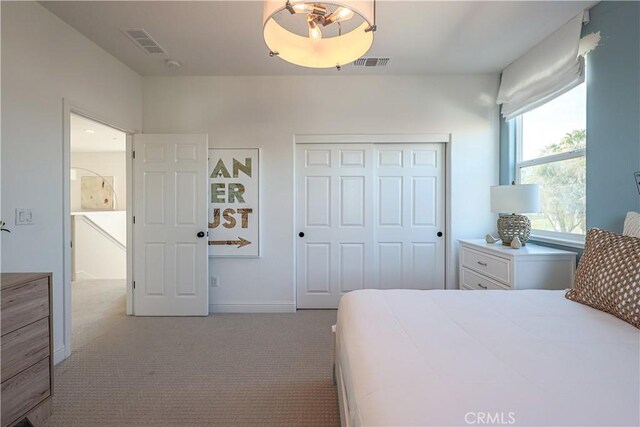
x: 523, y: 198
x: 326, y: 52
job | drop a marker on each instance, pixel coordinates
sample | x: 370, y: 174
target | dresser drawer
x: 24, y: 391
x: 474, y: 281
x: 493, y: 267
x: 24, y: 304
x: 24, y: 347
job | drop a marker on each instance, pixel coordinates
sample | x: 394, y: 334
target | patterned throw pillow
x: 608, y: 275
x: 632, y: 224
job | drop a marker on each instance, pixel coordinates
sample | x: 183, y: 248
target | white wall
x: 114, y: 223
x: 266, y: 112
x: 103, y: 163
x: 43, y: 61
x: 99, y: 245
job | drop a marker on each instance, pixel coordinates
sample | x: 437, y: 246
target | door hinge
x: 134, y: 154
x: 134, y: 284
x: 71, y: 244
x: 134, y: 219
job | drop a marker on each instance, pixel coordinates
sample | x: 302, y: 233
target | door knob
x: 200, y: 234
x: 439, y: 233
x: 301, y: 234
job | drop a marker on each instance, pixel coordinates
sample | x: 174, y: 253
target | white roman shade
x: 548, y: 70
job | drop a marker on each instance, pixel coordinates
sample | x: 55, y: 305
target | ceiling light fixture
x: 89, y: 131
x: 320, y: 34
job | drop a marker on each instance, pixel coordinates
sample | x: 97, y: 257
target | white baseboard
x: 59, y: 354
x: 252, y: 308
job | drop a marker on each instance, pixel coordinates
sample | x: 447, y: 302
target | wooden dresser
x: 26, y: 347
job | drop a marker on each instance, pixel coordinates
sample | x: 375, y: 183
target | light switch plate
x: 213, y: 281
x: 24, y: 216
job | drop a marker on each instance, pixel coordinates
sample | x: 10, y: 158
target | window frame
x: 554, y: 237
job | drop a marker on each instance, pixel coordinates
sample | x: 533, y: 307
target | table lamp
x: 515, y: 199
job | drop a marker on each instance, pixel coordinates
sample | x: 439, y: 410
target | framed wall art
x: 234, y: 202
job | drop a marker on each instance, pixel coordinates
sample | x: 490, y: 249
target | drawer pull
x: 484, y: 264
x: 482, y: 286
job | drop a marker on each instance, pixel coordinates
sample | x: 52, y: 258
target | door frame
x: 400, y: 138
x: 68, y: 108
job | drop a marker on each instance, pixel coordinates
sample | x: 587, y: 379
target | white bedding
x: 447, y: 357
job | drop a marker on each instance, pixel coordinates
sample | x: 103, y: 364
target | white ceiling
x: 88, y: 136
x: 225, y: 37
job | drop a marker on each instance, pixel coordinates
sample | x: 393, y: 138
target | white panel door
x: 368, y: 216
x: 170, y: 211
x: 409, y: 216
x: 334, y: 216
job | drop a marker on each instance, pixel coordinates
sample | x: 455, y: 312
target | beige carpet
x: 231, y: 369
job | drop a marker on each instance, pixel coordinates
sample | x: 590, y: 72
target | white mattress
x: 446, y: 357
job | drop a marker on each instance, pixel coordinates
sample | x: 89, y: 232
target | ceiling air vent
x: 371, y: 62
x: 143, y: 40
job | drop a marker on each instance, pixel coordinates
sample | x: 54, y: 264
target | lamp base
x: 513, y: 225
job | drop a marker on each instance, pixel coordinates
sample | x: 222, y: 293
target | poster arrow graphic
x: 240, y: 242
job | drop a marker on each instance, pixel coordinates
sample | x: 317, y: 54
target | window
x: 551, y: 144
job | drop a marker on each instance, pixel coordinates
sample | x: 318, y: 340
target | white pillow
x: 632, y: 224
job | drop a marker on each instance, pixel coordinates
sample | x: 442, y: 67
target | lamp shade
x: 523, y: 198
x: 324, y: 52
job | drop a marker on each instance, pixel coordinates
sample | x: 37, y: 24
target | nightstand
x: 495, y: 266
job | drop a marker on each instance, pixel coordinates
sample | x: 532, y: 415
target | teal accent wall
x: 613, y: 114
x: 507, y: 151
x: 613, y: 117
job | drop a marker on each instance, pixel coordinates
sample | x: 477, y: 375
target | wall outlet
x: 24, y: 216
x: 213, y: 281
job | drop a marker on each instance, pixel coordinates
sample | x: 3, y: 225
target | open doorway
x: 98, y: 210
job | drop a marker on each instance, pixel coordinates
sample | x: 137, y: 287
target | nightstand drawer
x: 472, y: 280
x: 493, y: 267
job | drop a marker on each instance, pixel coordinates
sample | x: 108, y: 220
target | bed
x: 407, y: 357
